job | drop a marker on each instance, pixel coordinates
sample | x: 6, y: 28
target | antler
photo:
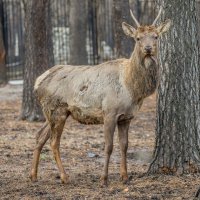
x: 136, y: 21
x: 156, y: 19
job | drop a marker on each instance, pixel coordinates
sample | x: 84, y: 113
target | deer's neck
x: 141, y: 75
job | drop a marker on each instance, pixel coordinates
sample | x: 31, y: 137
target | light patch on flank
x: 40, y: 78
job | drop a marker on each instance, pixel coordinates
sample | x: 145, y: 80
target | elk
x: 108, y: 93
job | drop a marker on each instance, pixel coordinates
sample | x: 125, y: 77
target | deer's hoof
x: 104, y: 181
x: 33, y: 177
x: 124, y: 179
x: 64, y: 178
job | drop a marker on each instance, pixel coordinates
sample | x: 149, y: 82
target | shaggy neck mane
x: 141, y: 75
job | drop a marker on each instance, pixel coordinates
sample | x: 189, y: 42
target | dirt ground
x: 83, y: 156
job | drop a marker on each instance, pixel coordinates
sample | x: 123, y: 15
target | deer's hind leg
x: 41, y: 138
x: 57, y: 122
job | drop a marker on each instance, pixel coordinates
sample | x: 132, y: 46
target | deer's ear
x: 164, y: 27
x: 128, y: 29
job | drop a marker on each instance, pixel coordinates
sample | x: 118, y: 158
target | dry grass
x: 17, y: 143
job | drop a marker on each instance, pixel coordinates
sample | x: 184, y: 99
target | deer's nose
x: 148, y: 49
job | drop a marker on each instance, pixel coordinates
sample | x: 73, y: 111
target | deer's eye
x: 156, y: 37
x: 138, y: 39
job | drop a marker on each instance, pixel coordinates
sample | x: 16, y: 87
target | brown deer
x: 108, y: 93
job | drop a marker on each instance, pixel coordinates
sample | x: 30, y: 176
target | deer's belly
x: 87, y: 116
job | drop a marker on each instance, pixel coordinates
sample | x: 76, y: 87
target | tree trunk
x: 121, y: 13
x: 198, y: 16
x: 177, y: 148
x: 3, y: 75
x: 37, y: 55
x: 49, y: 33
x: 78, y: 28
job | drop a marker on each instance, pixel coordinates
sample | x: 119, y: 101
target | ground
x: 82, y: 154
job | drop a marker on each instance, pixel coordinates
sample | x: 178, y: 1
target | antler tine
x: 156, y: 19
x: 136, y: 21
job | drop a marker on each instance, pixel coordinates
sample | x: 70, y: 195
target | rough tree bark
x: 177, y: 148
x: 37, y: 54
x: 78, y: 28
x: 121, y: 13
x: 3, y: 76
x: 49, y: 33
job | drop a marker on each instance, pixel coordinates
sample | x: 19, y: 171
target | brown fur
x: 109, y: 93
x: 147, y: 29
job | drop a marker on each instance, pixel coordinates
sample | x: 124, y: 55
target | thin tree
x: 123, y: 44
x: 177, y: 148
x: 3, y: 76
x: 78, y: 29
x: 37, y: 54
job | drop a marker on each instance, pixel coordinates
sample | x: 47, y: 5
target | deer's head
x: 146, y: 37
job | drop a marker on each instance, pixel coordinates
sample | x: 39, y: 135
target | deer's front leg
x: 109, y: 129
x: 123, y: 143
